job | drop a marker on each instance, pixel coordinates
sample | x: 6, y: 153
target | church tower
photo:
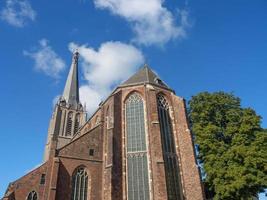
x: 69, y: 114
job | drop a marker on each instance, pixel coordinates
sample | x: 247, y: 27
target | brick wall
x: 190, y: 173
x: 107, y: 167
x: 20, y: 189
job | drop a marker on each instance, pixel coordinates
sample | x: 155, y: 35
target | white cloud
x: 112, y: 63
x: 46, y: 60
x: 152, y: 23
x: 17, y: 12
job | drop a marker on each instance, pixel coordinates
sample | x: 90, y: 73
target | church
x: 136, y: 146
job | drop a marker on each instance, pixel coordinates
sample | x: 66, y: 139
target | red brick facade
x: 104, y: 135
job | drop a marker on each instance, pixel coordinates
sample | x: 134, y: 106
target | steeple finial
x: 146, y: 65
x: 71, y: 90
x: 76, y: 55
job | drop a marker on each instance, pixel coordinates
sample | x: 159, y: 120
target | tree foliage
x: 232, y: 146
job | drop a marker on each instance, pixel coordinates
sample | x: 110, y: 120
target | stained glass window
x: 137, y: 164
x: 79, y: 184
x: 32, y: 196
x: 169, y: 154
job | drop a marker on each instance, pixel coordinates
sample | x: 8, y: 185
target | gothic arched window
x: 168, y: 148
x: 79, y: 184
x: 108, y: 117
x: 137, y: 163
x: 32, y: 196
x: 77, y: 123
x: 69, y: 124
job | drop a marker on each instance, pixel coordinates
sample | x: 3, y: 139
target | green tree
x: 232, y: 146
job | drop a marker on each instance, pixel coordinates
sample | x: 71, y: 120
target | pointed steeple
x: 69, y: 114
x: 71, y: 91
x: 145, y: 75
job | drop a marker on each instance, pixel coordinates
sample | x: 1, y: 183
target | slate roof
x: 71, y: 90
x: 145, y: 75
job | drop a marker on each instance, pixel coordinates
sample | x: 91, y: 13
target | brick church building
x: 136, y: 146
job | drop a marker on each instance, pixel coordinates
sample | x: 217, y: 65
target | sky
x: 194, y: 46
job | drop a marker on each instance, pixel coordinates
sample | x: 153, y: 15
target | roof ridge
x: 145, y: 75
x: 146, y: 68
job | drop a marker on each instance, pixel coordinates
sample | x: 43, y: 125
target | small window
x: 32, y: 196
x: 158, y: 81
x: 42, y: 181
x: 91, y: 152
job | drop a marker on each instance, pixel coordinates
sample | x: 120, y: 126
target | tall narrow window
x: 42, y: 180
x: 109, y: 138
x: 79, y: 184
x: 69, y: 124
x: 32, y: 196
x: 169, y: 154
x: 108, y: 118
x: 137, y: 164
x: 77, y: 123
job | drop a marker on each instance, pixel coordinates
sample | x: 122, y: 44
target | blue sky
x: 194, y: 46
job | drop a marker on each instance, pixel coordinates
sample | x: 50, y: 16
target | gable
x: 80, y: 147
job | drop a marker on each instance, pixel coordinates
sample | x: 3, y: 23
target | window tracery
x: 69, y: 124
x: 77, y: 123
x: 169, y: 152
x: 137, y: 163
x: 32, y: 196
x: 80, y: 184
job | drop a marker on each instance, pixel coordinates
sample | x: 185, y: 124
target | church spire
x: 69, y: 114
x: 71, y: 90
